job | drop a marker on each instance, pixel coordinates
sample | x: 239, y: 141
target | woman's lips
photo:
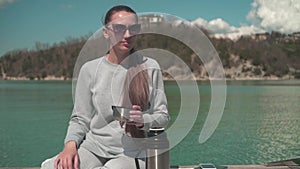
x: 125, y: 43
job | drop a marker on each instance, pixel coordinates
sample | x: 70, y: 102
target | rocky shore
x: 239, y: 70
x: 167, y: 78
x: 53, y: 78
x: 26, y: 78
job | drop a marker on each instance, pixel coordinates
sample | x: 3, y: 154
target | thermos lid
x: 154, y: 131
x: 157, y: 129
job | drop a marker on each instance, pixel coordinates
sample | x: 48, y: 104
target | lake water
x: 260, y: 123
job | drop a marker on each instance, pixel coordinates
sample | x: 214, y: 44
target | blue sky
x: 24, y: 22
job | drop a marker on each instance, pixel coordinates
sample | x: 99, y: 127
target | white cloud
x: 221, y: 29
x: 265, y: 16
x: 215, y: 26
x: 243, y: 30
x: 5, y: 2
x: 219, y: 26
x: 276, y: 15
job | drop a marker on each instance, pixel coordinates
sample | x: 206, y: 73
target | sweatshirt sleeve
x: 83, y: 109
x: 157, y: 115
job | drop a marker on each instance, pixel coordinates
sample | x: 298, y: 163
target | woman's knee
x: 49, y: 163
x: 123, y: 162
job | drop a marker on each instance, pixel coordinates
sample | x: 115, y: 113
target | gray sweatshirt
x: 99, y: 86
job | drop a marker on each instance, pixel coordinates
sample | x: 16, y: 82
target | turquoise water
x: 260, y: 123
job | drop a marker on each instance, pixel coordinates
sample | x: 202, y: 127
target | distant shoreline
x: 53, y: 78
x: 47, y: 78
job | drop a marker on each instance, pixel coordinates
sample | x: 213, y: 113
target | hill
x: 260, y: 56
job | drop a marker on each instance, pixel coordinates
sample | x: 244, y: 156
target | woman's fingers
x: 68, y: 158
x: 76, y: 162
x: 63, y: 164
x: 136, y: 107
x: 56, y: 162
x: 66, y: 163
x: 69, y: 163
x: 137, y: 116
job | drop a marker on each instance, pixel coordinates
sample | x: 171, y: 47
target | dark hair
x: 136, y: 92
x: 116, y: 9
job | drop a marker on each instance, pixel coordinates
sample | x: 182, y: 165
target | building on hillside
x: 151, y: 18
x: 260, y: 36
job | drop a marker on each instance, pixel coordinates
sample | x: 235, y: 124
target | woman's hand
x: 68, y: 158
x: 136, y: 116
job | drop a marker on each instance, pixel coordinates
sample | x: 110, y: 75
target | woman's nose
x: 127, y: 34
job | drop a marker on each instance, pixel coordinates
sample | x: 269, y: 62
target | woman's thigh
x: 87, y: 160
x: 123, y: 162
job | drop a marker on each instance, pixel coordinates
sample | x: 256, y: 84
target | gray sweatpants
x: 89, y: 160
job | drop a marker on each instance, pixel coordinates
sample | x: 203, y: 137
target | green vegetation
x: 274, y: 54
x: 57, y: 61
x: 277, y: 54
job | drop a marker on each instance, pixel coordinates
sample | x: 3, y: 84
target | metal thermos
x: 157, y: 149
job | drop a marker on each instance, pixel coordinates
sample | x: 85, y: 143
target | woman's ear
x: 105, y: 33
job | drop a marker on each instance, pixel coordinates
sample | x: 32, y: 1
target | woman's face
x: 122, y: 27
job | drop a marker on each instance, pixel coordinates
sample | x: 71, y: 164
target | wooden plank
x: 19, y: 168
x: 184, y: 167
x: 193, y: 167
x: 256, y: 167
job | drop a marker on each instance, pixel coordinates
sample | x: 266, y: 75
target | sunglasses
x: 121, y: 29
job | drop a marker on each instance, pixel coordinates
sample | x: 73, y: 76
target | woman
x: 123, y: 78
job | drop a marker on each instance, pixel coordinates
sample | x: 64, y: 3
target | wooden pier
x: 196, y: 167
x: 293, y: 163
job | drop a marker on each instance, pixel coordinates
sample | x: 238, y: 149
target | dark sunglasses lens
x: 119, y: 28
x: 134, y: 29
